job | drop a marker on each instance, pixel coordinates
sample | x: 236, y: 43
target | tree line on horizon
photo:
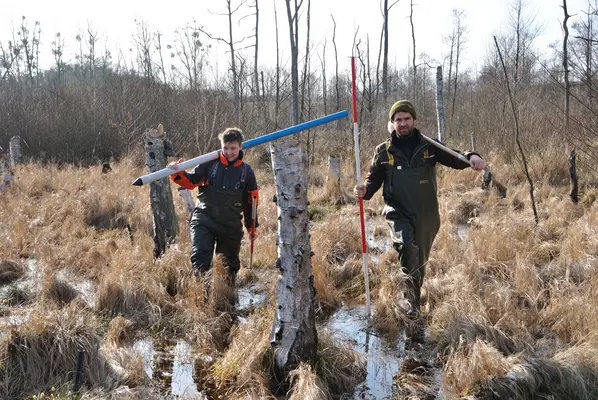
x: 98, y: 106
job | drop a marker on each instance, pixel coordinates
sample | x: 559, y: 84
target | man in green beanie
x: 405, y: 166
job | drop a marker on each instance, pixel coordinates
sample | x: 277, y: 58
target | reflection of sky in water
x: 249, y: 297
x: 462, y: 231
x: 380, y: 243
x: 383, y: 362
x: 145, y: 348
x: 182, y: 383
x: 182, y: 370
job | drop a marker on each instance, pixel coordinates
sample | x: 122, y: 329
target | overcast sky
x: 114, y: 21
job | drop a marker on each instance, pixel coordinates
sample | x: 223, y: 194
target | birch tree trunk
x: 164, y: 217
x: 5, y: 170
x: 333, y: 181
x: 439, y: 104
x: 16, y: 155
x: 294, y: 334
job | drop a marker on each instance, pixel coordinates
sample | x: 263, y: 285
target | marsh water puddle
x: 172, y: 367
x: 250, y: 297
x: 377, y: 243
x: 383, y: 360
x: 462, y: 232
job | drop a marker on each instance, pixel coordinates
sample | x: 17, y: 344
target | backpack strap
x: 391, y: 159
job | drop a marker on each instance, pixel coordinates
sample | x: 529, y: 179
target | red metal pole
x: 364, y: 249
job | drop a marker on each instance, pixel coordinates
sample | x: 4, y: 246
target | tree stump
x: 187, y: 196
x: 5, y: 170
x: 164, y: 218
x: 294, y: 334
x: 333, y: 181
x: 16, y: 155
x: 573, y: 188
x: 489, y: 181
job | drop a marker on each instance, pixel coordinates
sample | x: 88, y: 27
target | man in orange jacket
x: 227, y: 189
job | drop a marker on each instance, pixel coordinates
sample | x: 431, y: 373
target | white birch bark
x: 16, y: 155
x: 294, y: 335
x: 440, y: 104
x: 164, y: 217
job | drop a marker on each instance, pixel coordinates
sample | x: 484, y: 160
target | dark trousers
x: 413, y: 256
x: 205, y: 236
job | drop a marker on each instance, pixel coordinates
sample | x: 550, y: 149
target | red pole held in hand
x: 364, y: 249
x: 252, y: 232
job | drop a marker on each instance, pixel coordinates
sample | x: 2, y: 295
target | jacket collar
x: 236, y: 163
x: 415, y: 134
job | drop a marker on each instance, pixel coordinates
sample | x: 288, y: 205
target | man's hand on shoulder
x: 477, y: 163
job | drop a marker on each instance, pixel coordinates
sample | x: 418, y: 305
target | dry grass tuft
x: 118, y: 330
x: 465, y: 331
x: 42, y: 352
x: 350, y: 269
x: 246, y: 276
x: 466, y: 210
x: 339, y: 368
x: 59, y: 291
x: 305, y: 384
x: 106, y: 213
x: 16, y: 295
x: 11, y: 271
x: 127, y: 297
x: 390, y: 306
x: 336, y: 238
x: 471, y: 363
x: 542, y: 378
x: 222, y: 291
x: 247, y: 361
x: 589, y: 197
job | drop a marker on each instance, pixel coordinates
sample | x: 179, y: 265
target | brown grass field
x: 509, y: 305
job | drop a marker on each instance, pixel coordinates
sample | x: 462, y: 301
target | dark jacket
x: 405, y: 167
x: 218, y: 183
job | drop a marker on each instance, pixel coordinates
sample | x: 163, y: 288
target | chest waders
x: 412, y: 214
x: 216, y: 222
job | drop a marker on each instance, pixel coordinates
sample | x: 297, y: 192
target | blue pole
x: 193, y: 162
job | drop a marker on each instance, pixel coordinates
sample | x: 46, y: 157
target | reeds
x: 508, y: 304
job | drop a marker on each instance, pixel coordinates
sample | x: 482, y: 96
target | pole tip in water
x: 137, y: 182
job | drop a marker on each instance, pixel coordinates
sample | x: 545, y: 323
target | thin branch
x: 529, y: 179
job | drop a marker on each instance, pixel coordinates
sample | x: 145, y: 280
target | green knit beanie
x: 402, y: 105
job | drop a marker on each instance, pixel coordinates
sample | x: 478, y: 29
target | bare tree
x: 143, y: 40
x: 277, y: 100
x: 30, y: 41
x: 256, y: 77
x: 324, y: 83
x: 8, y: 59
x: 385, y: 12
x: 305, y: 77
x: 457, y: 40
x: 159, y: 49
x: 573, y: 191
x: 191, y: 51
x: 516, y: 117
x: 522, y: 22
x: 57, y: 52
x: 231, y: 43
x: 293, y: 20
x: 414, y: 65
x: 336, y: 81
x: 582, y: 62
